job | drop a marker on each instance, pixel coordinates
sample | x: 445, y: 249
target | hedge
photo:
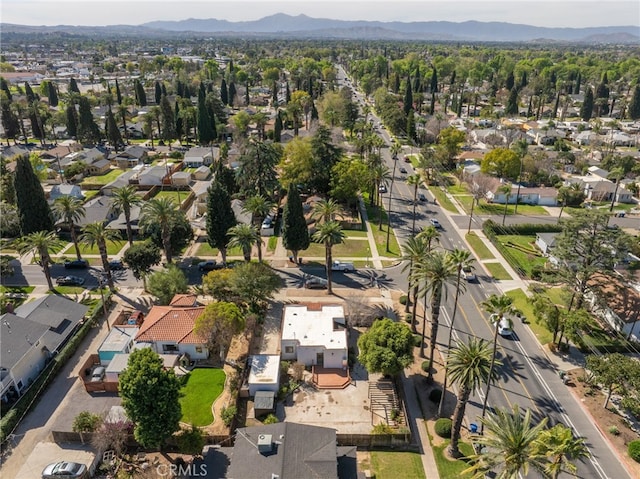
x: 443, y: 427
x: 31, y: 397
x: 634, y: 450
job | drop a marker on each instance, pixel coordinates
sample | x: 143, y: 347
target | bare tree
x: 479, y: 186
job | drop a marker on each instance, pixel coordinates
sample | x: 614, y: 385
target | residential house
x: 545, y: 242
x: 314, y: 337
x: 543, y: 196
x: 96, y: 161
x: 65, y: 189
x: 586, y: 138
x: 200, y: 190
x: 125, y: 179
x: 120, y: 340
x: 169, y: 330
x: 617, y: 138
x: 284, y: 450
x: 120, y: 223
x: 31, y: 335
x: 616, y: 302
x: 131, y: 156
x: 597, y: 172
x: 99, y: 208
x: 186, y: 300
x: 151, y: 176
x: 264, y: 373
x: 199, y: 156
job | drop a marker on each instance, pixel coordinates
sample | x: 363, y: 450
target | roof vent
x: 265, y: 445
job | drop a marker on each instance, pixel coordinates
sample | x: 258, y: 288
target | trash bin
x: 473, y: 427
x: 299, y: 260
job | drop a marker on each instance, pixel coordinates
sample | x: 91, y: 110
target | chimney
x: 265, y: 445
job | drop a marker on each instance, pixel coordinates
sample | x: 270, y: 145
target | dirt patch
x: 605, y: 419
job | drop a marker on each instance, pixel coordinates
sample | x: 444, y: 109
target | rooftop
x: 311, y: 328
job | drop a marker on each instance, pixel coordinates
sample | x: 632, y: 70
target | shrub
x: 408, y: 317
x: 190, y: 441
x: 381, y: 428
x: 634, y: 450
x: 86, y: 422
x: 613, y: 430
x: 403, y: 299
x: 435, y: 395
x: 417, y: 340
x: 270, y: 419
x: 425, y: 366
x: 443, y: 427
x: 228, y: 413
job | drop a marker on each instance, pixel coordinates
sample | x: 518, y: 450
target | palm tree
x: 508, y: 446
x: 162, y: 211
x: 559, y: 445
x: 416, y: 249
x: 123, y: 111
x: 395, y: 149
x: 70, y: 210
x: 414, y: 180
x: 123, y: 199
x: 330, y: 234
x: 97, y: 234
x: 437, y: 271
x: 462, y: 259
x: 498, y: 307
x: 430, y: 235
x: 380, y: 175
x: 259, y: 207
x: 40, y: 243
x: 244, y: 236
x: 327, y: 210
x: 468, y: 365
x: 506, y: 190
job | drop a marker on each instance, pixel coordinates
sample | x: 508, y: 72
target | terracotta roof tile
x: 168, y: 323
x: 184, y: 300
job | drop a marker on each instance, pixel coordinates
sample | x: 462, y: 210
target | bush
x: 417, y: 340
x: 381, y: 428
x: 403, y: 299
x: 408, y: 317
x: 270, y: 419
x: 443, y: 427
x: 634, y: 450
x: 228, y: 413
x: 425, y: 366
x: 613, y: 430
x: 190, y: 441
x: 435, y: 395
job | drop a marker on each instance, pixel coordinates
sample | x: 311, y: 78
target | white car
x: 504, y: 328
x: 435, y: 223
x: 342, y: 266
x: 469, y: 275
x: 382, y: 189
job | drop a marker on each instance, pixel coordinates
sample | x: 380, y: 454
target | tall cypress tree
x: 141, y: 96
x: 73, y: 86
x: 434, y: 81
x: 411, y: 125
x: 220, y: 218
x: 204, y: 120
x: 578, y: 80
x: 274, y: 95
x: 35, y: 214
x: 10, y: 123
x: 512, y: 103
x: 277, y: 128
x: 111, y: 130
x: 295, y: 232
x: 4, y: 86
x: 232, y: 93
x: 168, y: 131
x: 224, y: 93
x: 510, y: 81
x: 158, y: 92
x: 247, y: 97
x: 634, y: 105
x: 118, y: 94
x: 53, y: 94
x: 88, y: 131
x: 408, y: 98
x: 72, y: 120
x: 179, y: 121
x: 586, y: 110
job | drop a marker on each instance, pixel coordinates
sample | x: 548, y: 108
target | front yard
x: 201, y: 388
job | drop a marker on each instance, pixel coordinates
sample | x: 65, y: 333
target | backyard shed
x: 264, y: 402
x: 264, y: 373
x: 119, y: 340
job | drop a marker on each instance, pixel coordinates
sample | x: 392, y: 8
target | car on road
x: 209, y: 265
x: 116, y: 265
x: 422, y: 197
x: 76, y: 264
x: 435, y: 223
x: 407, y: 159
x: 316, y: 283
x: 382, y: 189
x: 69, y: 281
x: 66, y: 469
x: 343, y: 266
x: 504, y: 328
x: 403, y: 170
x: 469, y: 275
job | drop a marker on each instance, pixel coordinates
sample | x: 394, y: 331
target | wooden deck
x: 325, y: 378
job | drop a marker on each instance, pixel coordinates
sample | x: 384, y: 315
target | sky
x: 545, y: 13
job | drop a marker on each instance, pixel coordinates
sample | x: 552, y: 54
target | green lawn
x: 523, y: 250
x: 356, y: 248
x: 113, y: 248
x: 204, y: 249
x: 272, y: 243
x: 479, y: 247
x: 89, y: 194
x: 497, y: 271
x: 176, y: 196
x: 443, y: 199
x: 355, y: 233
x: 380, y: 235
x: 17, y: 289
x: 457, y: 189
x: 67, y: 290
x: 521, y: 303
x: 103, y: 179
x: 395, y: 465
x: 497, y: 209
x: 448, y: 468
x: 203, y: 386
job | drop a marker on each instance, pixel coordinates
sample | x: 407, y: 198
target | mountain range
x: 302, y: 26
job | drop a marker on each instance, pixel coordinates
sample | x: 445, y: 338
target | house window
x: 169, y: 348
x: 288, y: 349
x: 199, y: 349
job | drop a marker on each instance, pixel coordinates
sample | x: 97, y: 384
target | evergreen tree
x: 118, y: 94
x: 71, y: 120
x: 288, y: 94
x: 141, y: 96
x: 73, y: 86
x: 204, y: 120
x: 111, y: 131
x: 586, y: 110
x: 158, y: 92
x: 164, y: 89
x: 578, y: 80
x: 411, y: 125
x: 224, y: 93
x: 28, y: 91
x: 510, y: 81
x: 453, y: 78
x: 274, y: 95
x: 408, y: 98
x: 35, y: 213
x: 434, y: 81
x: 232, y: 93
x: 247, y: 98
x: 4, y: 86
x: 277, y: 128
x: 168, y: 130
x: 523, y: 81
x: 295, y: 232
x: 179, y: 120
x: 417, y: 86
x: 88, y: 131
x: 396, y: 83
x: 53, y: 94
x: 10, y: 123
x: 634, y: 105
x: 512, y: 103
x: 220, y: 218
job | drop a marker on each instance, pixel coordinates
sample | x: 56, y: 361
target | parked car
x: 469, y: 275
x: 403, y: 170
x: 435, y: 223
x: 71, y: 470
x: 382, y: 189
x: 316, y: 283
x: 504, y: 328
x: 407, y: 159
x: 209, y: 265
x: 116, y: 265
x: 98, y: 374
x: 69, y: 281
x: 76, y: 264
x: 343, y: 266
x: 422, y: 197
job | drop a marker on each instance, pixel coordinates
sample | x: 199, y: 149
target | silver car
x: 70, y: 470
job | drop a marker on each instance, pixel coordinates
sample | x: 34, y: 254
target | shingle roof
x: 168, y: 323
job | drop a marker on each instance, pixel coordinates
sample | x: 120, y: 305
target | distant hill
x: 302, y: 26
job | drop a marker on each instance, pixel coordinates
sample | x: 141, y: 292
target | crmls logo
x: 182, y: 470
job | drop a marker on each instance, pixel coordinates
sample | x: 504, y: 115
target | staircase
x: 383, y: 401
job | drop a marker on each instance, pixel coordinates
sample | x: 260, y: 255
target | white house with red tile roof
x: 169, y: 330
